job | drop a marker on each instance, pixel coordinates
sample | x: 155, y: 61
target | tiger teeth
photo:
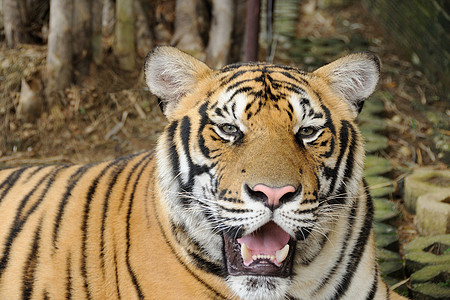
x: 245, y: 253
x: 263, y: 256
x: 247, y: 256
x: 282, y: 254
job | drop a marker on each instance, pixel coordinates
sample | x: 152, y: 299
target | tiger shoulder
x: 255, y: 191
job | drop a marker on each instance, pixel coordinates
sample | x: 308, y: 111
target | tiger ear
x: 354, y: 77
x: 170, y: 74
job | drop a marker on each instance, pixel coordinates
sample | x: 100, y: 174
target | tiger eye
x: 229, y: 129
x: 307, y: 131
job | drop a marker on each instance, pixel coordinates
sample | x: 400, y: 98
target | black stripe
x: 237, y: 74
x: 234, y: 66
x: 305, y: 211
x: 173, y: 153
x: 359, y: 249
x: 30, y: 264
x: 73, y: 180
x: 195, y: 251
x: 348, y: 172
x: 177, y: 256
x: 318, y: 115
x: 130, y: 174
x: 323, y: 241
x: 10, y: 181
x: 204, y: 120
x: 84, y: 226
x: 34, y: 172
x: 240, y: 90
x: 69, y: 277
x: 194, y: 169
x: 147, y: 190
x: 234, y: 210
x: 295, y: 89
x: 232, y: 200
x: 233, y: 110
x: 219, y: 112
x: 127, y: 253
x: 116, y: 273
x: 343, y: 145
x: 18, y: 222
x: 51, y: 178
x: 388, y: 292
x: 373, y: 289
x: 185, y: 132
x: 207, y: 265
x: 328, y: 124
x: 343, y: 251
x: 119, y: 167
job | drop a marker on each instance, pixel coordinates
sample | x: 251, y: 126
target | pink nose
x: 273, y: 194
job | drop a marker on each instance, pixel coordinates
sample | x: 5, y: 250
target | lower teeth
x: 280, y: 255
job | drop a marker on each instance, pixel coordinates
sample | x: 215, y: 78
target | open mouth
x: 268, y: 251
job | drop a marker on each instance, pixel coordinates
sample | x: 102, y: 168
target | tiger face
x: 260, y: 166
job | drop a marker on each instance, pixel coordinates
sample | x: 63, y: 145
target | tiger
x: 254, y: 190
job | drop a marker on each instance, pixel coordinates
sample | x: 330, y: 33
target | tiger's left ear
x: 170, y: 74
x: 354, y: 77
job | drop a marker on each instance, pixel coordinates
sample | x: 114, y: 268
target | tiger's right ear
x: 170, y: 74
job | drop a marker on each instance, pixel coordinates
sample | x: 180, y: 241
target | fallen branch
x: 117, y: 127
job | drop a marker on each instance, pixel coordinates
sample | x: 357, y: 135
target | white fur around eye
x: 228, y: 136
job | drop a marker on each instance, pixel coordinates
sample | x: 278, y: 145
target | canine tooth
x: 254, y: 257
x: 245, y: 253
x: 272, y: 257
x: 281, y: 254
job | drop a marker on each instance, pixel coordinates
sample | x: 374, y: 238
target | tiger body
x: 254, y: 191
x: 90, y: 257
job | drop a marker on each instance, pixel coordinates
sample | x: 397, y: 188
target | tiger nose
x: 272, y: 196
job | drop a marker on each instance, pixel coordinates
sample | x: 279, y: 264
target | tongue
x: 267, y: 239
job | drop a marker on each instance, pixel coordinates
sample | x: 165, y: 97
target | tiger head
x: 258, y: 162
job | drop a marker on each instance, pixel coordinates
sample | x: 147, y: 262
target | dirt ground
x: 110, y: 113
x: 103, y: 116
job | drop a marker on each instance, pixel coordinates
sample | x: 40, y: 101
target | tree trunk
x: 81, y: 35
x: 59, y: 56
x: 36, y: 20
x: 270, y: 9
x: 252, y: 30
x: 220, y: 33
x: 187, y: 32
x: 124, y: 46
x: 163, y: 24
x: 96, y: 39
x: 143, y: 34
x: 237, y: 52
x: 108, y: 17
x: 13, y: 13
